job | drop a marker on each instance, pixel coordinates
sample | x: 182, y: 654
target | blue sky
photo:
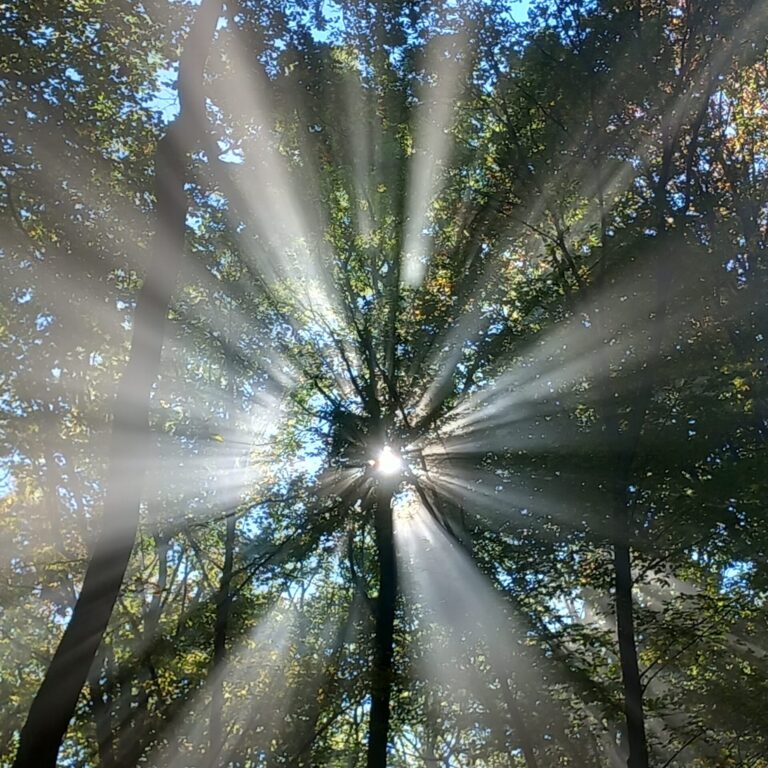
x: 165, y: 101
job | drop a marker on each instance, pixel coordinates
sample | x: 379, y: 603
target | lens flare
x: 388, y: 462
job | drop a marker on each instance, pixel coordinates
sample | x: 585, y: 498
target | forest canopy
x: 383, y: 383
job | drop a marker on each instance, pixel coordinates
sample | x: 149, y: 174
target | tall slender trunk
x: 223, y: 606
x: 381, y: 685
x: 54, y: 704
x: 634, y: 714
x: 630, y: 669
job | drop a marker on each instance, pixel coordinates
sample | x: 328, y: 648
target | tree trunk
x: 223, y: 605
x: 637, y: 742
x: 54, y: 705
x: 381, y: 684
x: 622, y: 535
x: 630, y: 669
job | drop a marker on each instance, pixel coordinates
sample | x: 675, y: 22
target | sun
x: 388, y: 461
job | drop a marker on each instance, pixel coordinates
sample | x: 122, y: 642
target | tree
x: 526, y: 259
x: 54, y: 704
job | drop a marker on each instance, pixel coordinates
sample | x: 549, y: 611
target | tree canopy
x: 383, y: 383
